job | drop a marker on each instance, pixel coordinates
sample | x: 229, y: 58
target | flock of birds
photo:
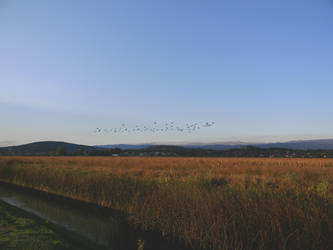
x: 156, y: 128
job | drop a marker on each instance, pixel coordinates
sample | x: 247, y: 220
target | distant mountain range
x: 325, y: 144
x: 125, y: 146
x: 46, y: 147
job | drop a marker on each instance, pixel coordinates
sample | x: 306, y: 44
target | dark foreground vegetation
x: 20, y: 230
x: 206, y: 203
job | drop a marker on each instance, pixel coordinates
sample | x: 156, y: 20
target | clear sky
x: 261, y: 69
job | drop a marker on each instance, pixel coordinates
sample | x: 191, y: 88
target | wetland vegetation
x: 203, y: 203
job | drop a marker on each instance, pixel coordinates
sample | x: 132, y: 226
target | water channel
x: 91, y: 222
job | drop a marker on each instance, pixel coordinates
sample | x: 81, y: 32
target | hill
x: 44, y: 148
x: 306, y: 148
x: 324, y: 144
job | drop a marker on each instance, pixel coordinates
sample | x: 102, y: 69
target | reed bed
x: 206, y: 203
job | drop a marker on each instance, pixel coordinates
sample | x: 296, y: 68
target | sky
x: 262, y: 70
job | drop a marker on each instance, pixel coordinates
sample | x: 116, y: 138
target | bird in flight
x: 166, y: 127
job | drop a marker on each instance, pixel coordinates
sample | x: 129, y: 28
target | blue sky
x: 262, y: 70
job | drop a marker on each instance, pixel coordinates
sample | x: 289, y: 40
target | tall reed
x: 221, y: 203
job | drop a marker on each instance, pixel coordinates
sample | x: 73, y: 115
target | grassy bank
x: 21, y: 230
x: 206, y: 203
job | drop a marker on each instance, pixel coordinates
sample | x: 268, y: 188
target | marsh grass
x: 215, y: 203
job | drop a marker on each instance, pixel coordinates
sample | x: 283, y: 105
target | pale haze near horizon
x: 262, y: 70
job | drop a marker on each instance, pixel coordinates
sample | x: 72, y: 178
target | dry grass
x: 208, y: 203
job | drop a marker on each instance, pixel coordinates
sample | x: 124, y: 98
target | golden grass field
x: 206, y: 203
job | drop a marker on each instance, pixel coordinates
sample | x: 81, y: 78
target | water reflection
x: 101, y: 229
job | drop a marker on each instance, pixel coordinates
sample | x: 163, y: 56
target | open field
x: 207, y: 203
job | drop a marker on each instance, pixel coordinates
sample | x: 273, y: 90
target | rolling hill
x: 44, y: 148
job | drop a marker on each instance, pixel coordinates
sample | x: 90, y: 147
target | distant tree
x: 116, y: 151
x: 60, y: 151
x: 80, y: 151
